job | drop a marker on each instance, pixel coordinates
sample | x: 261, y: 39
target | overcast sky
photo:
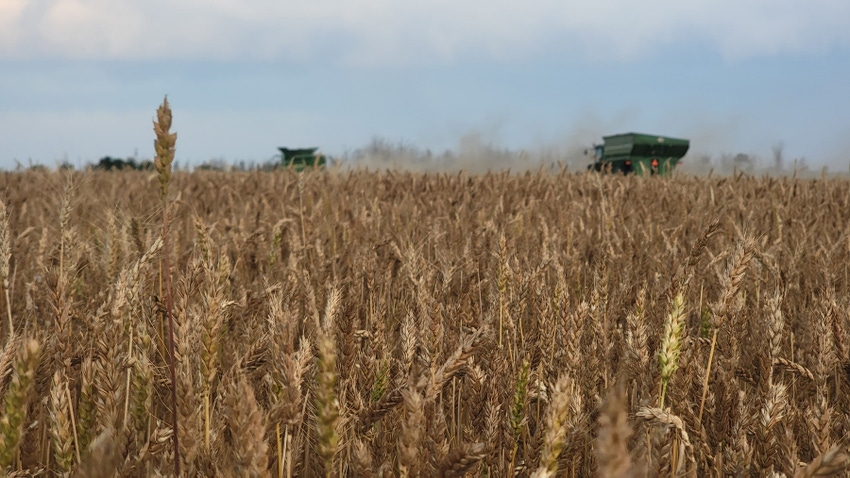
x: 81, y: 79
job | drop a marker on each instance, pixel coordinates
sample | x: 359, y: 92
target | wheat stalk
x: 5, y: 258
x: 671, y: 343
x: 556, y: 426
x: 60, y: 417
x: 614, y: 433
x: 164, y: 147
x: 410, y: 439
x: 732, y: 281
x: 327, y: 405
x: 245, y: 418
x: 15, y: 401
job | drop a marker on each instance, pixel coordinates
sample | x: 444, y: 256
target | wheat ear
x: 832, y: 462
x: 556, y: 427
x: 671, y: 343
x: 15, y: 402
x: 60, y: 416
x: 249, y: 447
x: 5, y: 258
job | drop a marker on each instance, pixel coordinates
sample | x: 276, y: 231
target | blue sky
x: 81, y: 79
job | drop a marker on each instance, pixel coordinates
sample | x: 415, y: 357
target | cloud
x: 393, y: 31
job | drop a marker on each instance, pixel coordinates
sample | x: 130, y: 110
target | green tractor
x: 642, y: 154
x: 302, y: 158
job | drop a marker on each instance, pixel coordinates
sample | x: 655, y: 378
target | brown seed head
x: 164, y: 145
x: 5, y: 245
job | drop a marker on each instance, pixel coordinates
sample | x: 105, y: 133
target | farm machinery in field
x: 302, y: 158
x: 642, y: 154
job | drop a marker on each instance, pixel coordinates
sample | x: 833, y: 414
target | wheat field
x: 359, y: 323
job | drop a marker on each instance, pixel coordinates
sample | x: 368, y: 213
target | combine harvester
x: 302, y: 158
x: 642, y: 154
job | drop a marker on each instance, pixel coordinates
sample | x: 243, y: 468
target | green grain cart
x: 302, y: 158
x: 643, y: 154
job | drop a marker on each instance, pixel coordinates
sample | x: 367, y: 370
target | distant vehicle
x: 302, y: 158
x: 642, y: 154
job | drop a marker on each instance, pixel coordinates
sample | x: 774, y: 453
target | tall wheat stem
x: 169, y: 307
x: 5, y: 258
x: 9, y: 312
x: 207, y: 420
x: 73, y: 423
x: 164, y: 145
x: 707, y: 374
x: 280, y: 451
x: 731, y: 283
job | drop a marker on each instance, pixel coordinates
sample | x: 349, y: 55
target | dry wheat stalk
x: 556, y: 426
x: 104, y: 458
x: 771, y: 414
x: 659, y: 417
x: 453, y: 364
x: 776, y: 324
x: 327, y: 405
x: 362, y: 461
x: 731, y: 283
x: 15, y: 401
x: 164, y: 147
x: 611, y: 447
x: 5, y: 258
x: 248, y: 446
x: 61, y: 423
x: 832, y: 462
x: 460, y: 461
x: 794, y: 367
x: 7, y: 357
x: 410, y: 440
x: 671, y: 343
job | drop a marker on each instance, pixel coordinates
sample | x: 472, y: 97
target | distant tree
x: 213, y: 165
x: 108, y: 163
x: 739, y: 162
x: 269, y: 165
x: 778, y: 158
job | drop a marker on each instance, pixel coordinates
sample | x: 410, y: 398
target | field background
x: 407, y: 324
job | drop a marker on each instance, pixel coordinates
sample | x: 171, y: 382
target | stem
x: 288, y: 451
x: 207, y: 420
x: 61, y: 253
x: 500, y: 321
x: 9, y: 314
x: 73, y: 422
x: 674, y: 457
x: 707, y: 373
x: 280, y: 452
x: 169, y: 306
x: 129, y: 375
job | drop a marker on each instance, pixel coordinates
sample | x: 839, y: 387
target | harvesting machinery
x: 302, y: 158
x: 642, y: 154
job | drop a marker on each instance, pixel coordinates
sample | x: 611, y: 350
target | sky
x: 81, y: 79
